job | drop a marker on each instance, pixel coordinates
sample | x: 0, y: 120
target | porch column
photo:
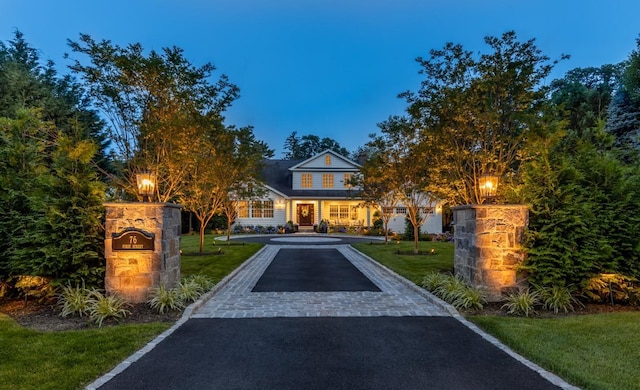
x: 319, y: 212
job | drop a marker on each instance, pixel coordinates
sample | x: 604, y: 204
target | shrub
x: 107, y: 306
x: 189, y: 290
x: 72, y: 300
x: 470, y: 298
x: 557, y: 298
x: 454, y: 291
x: 203, y: 281
x: 612, y: 288
x: 522, y: 303
x: 433, y: 280
x: 164, y: 299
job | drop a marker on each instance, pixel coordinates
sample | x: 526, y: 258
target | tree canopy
x: 309, y: 145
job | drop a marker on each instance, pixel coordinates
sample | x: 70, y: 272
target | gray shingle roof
x: 276, y: 175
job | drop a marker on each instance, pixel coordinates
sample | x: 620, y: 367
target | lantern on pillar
x: 488, y: 186
x: 146, y: 184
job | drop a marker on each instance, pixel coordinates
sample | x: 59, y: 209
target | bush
x: 454, y: 291
x: 522, y: 303
x: 557, y: 298
x: 107, y: 306
x: 75, y: 300
x: 613, y: 288
x: 164, y: 299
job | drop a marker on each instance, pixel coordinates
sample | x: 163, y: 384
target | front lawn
x: 412, y: 267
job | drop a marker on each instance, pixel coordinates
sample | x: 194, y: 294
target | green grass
x: 65, y: 360
x: 412, y: 267
x: 210, y: 263
x: 73, y: 359
x: 598, y: 351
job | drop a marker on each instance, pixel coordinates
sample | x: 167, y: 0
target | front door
x: 305, y: 214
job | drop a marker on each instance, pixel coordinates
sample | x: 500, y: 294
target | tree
x: 407, y: 167
x: 52, y: 203
x: 25, y: 82
x: 475, y: 113
x: 154, y: 103
x: 226, y: 161
x: 375, y: 184
x: 583, y: 95
x: 309, y: 145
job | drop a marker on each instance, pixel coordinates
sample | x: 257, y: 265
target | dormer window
x: 327, y: 159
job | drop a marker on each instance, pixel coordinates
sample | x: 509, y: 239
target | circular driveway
x: 305, y: 239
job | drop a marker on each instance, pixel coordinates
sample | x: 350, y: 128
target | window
x: 307, y: 180
x: 342, y: 212
x: 243, y: 209
x: 427, y: 210
x: 401, y: 210
x: 327, y: 159
x: 327, y: 180
x: 387, y: 210
x: 262, y: 209
x: 346, y: 179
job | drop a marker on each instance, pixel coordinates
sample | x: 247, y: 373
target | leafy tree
x: 155, y: 104
x: 309, y: 145
x: 475, y: 113
x: 227, y: 161
x: 583, y: 95
x: 375, y: 185
x: 407, y: 167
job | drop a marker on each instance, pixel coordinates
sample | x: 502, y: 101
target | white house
x: 308, y: 191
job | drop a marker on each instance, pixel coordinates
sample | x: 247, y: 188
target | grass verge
x: 73, y: 359
x: 599, y: 351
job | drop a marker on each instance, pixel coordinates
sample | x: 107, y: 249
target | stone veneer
x: 488, y: 249
x: 132, y: 274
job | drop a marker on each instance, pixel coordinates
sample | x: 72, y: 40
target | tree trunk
x: 202, y: 227
x: 386, y: 232
x: 416, y: 237
x: 228, y: 230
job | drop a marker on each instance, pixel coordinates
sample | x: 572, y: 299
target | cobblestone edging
x: 395, y: 298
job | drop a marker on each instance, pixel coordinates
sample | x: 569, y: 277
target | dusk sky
x: 332, y: 68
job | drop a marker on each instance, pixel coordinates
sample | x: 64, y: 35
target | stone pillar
x: 488, y: 246
x: 135, y: 266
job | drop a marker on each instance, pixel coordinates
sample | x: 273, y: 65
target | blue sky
x: 332, y: 68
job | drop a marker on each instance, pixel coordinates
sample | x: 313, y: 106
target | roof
x: 276, y: 174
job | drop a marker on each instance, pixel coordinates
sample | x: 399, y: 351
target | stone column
x: 135, y: 265
x: 488, y: 246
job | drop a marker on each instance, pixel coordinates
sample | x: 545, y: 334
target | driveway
x: 320, y: 315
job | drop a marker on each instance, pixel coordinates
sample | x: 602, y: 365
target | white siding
x: 433, y: 224
x: 318, y: 162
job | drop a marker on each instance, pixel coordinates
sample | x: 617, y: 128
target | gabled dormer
x: 327, y: 171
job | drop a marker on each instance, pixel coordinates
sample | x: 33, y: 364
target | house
x: 308, y: 191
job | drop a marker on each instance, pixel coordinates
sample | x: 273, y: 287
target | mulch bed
x: 46, y: 316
